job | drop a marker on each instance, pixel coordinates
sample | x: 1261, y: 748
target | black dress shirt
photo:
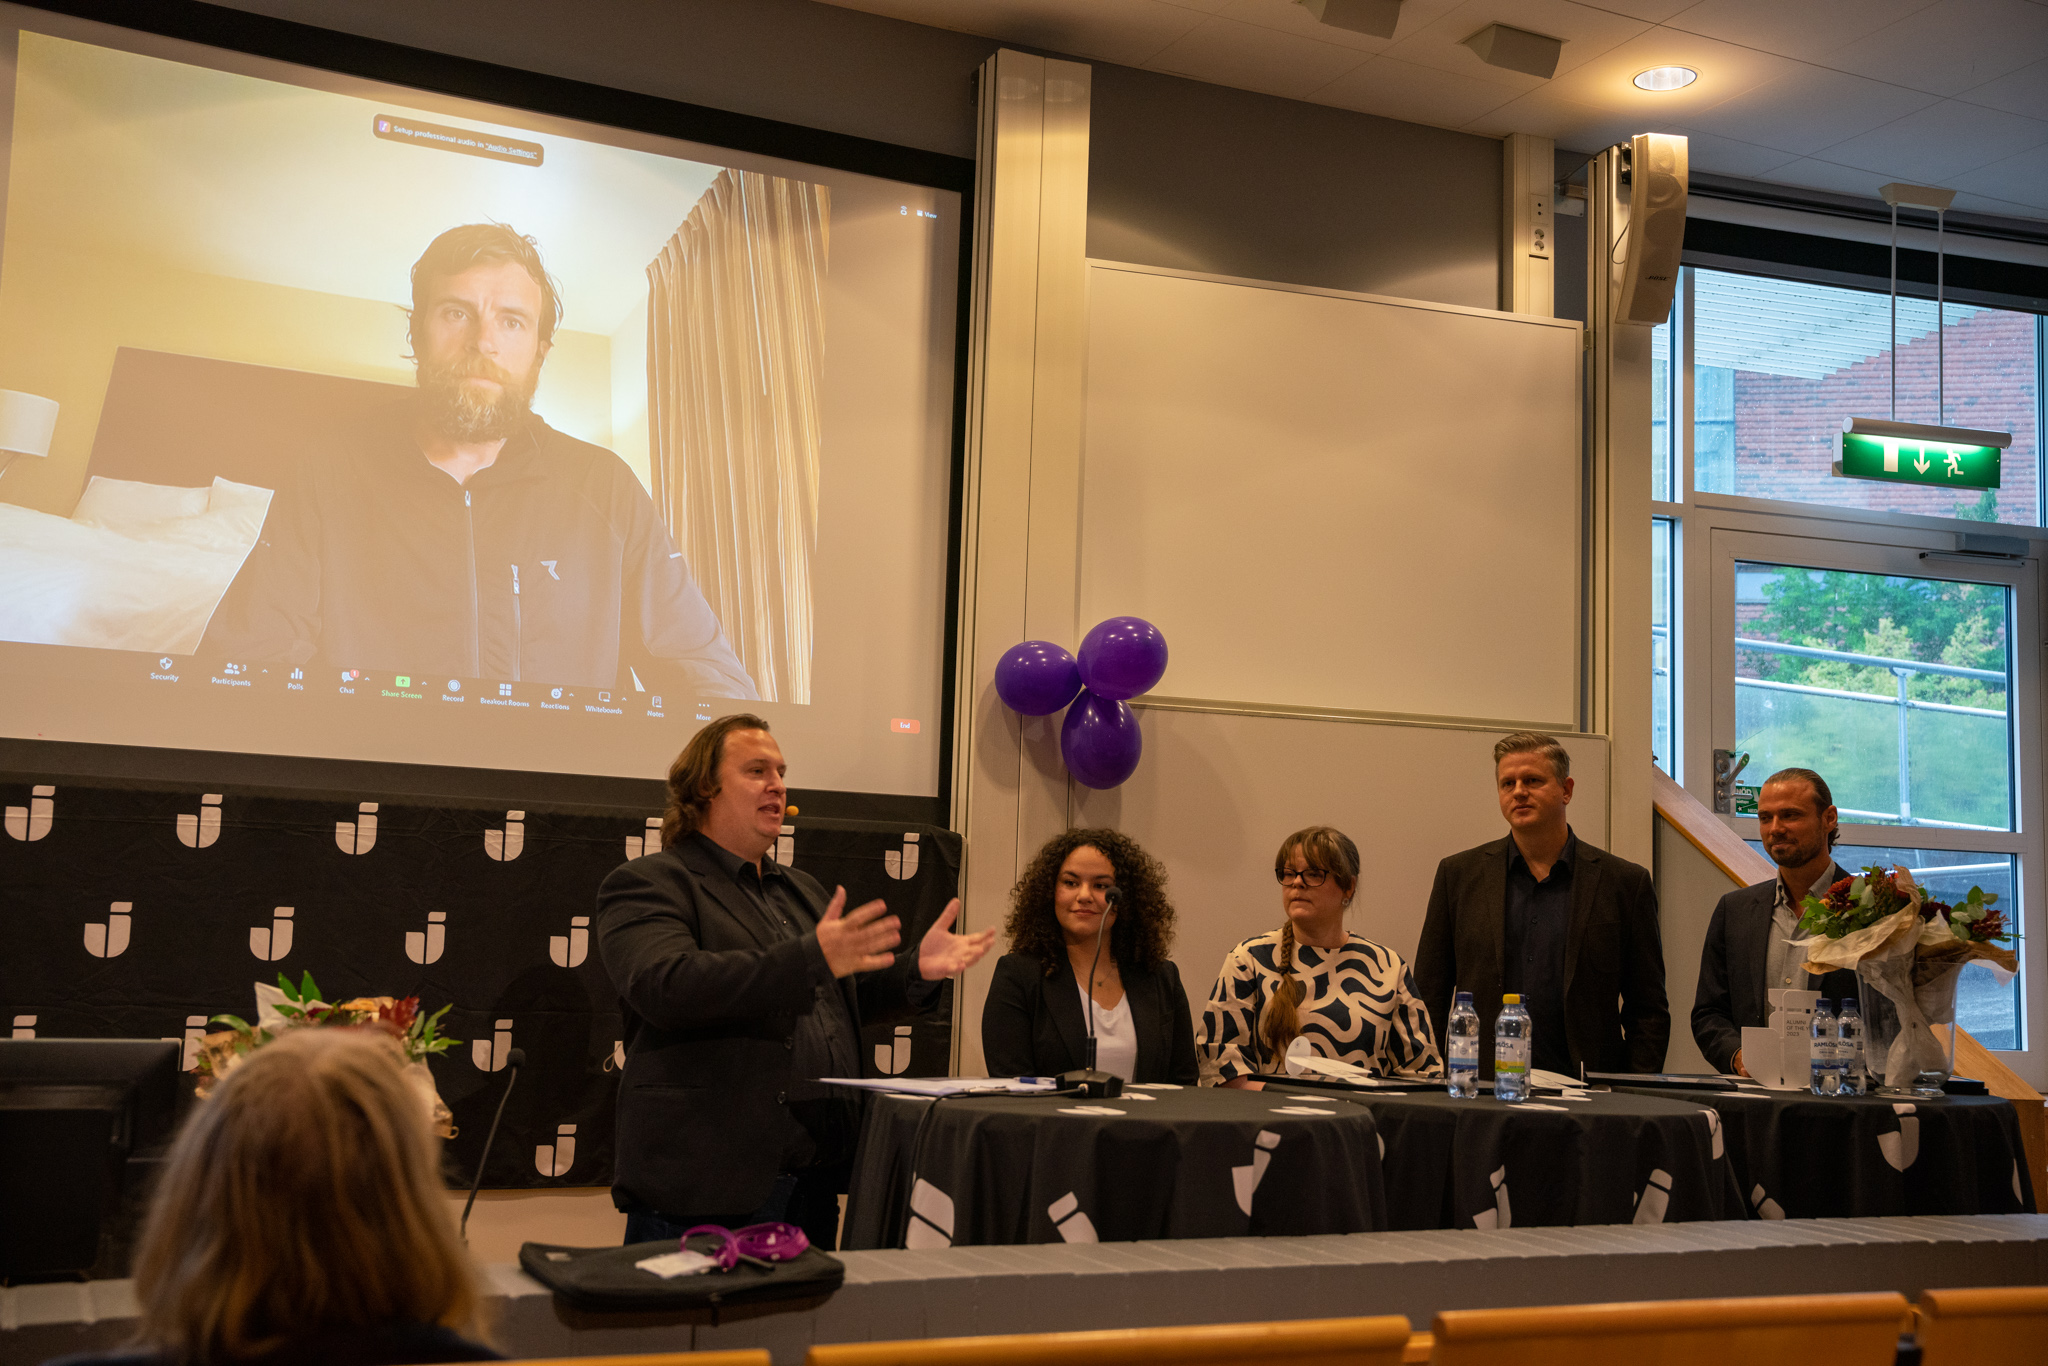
x: 826, y: 1043
x: 1537, y: 926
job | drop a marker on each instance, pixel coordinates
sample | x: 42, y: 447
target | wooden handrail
x: 1744, y: 866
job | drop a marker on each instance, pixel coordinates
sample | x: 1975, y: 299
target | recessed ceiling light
x: 1666, y: 78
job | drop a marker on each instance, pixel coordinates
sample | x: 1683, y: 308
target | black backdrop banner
x: 133, y: 913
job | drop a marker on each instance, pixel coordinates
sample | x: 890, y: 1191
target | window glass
x: 1779, y: 364
x: 1894, y: 689
x: 1990, y: 1011
x: 1661, y: 448
x: 1662, y: 689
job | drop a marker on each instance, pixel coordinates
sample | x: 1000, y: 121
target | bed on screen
x: 180, y: 480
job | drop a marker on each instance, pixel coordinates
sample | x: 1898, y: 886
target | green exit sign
x: 1910, y: 460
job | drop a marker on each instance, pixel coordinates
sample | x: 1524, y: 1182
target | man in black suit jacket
x: 1747, y: 953
x: 741, y: 985
x: 1570, y: 927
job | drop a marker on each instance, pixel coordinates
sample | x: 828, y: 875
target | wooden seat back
x: 1995, y: 1325
x: 747, y: 1358
x: 1376, y: 1341
x: 1797, y: 1330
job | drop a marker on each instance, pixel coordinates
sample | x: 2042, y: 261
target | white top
x: 1116, y: 1038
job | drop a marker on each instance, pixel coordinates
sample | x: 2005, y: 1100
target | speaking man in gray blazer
x: 1748, y: 950
x: 1571, y: 927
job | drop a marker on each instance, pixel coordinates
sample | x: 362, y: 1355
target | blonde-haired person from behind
x: 301, y: 1219
x: 1314, y: 984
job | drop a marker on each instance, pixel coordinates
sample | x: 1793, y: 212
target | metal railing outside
x: 1902, y: 670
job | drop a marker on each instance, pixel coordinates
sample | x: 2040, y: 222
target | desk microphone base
x: 1092, y: 1084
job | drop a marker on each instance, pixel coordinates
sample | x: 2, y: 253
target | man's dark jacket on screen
x: 549, y: 565
x: 1616, y: 1016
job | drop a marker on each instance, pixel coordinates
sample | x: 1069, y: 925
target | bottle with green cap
x: 1511, y: 1045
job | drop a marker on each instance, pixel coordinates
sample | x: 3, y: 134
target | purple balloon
x: 1122, y: 657
x: 1037, y: 678
x: 1100, y: 741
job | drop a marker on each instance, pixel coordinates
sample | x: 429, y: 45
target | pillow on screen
x: 121, y: 504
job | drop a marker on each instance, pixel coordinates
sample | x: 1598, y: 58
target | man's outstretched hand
x: 859, y: 940
x: 943, y: 953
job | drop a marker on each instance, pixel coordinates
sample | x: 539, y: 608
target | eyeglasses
x: 1307, y: 877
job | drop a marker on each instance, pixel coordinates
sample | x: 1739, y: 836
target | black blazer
x: 1616, y: 1016
x: 711, y: 996
x: 1732, y: 967
x: 1032, y: 1025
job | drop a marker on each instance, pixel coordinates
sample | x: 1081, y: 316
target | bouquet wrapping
x: 1911, y: 949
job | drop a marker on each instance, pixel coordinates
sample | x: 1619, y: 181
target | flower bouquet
x: 286, y: 1007
x: 1908, y: 948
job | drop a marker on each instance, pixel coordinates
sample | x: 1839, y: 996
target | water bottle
x: 1512, y: 1039
x: 1461, y: 1045
x: 1851, y: 1045
x: 1826, y: 1050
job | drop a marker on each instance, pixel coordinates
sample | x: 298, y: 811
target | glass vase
x: 1903, y: 999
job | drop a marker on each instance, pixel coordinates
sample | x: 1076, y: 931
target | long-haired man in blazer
x: 1748, y: 952
x: 1570, y: 927
x: 741, y: 985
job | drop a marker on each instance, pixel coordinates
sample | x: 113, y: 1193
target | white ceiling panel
x: 1843, y: 94
x: 1729, y: 156
x: 2021, y: 179
x: 1249, y: 57
x: 1287, y: 17
x: 1810, y: 109
x: 1806, y: 29
x: 1398, y: 89
x: 1940, y: 142
x: 1951, y: 46
x: 1587, y: 32
x: 2021, y: 92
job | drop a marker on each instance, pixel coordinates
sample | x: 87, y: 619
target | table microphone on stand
x: 513, y: 1060
x: 1087, y: 1080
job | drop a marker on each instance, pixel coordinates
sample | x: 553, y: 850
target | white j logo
x: 24, y: 1027
x: 893, y: 1059
x: 1246, y: 1179
x: 273, y: 941
x: 638, y: 846
x: 111, y: 939
x: 426, y: 947
x: 903, y: 866
x: 489, y: 1054
x: 571, y: 949
x: 33, y: 821
x: 200, y: 831
x: 504, y: 845
x: 555, y: 1159
x: 359, y: 835
x: 785, y: 846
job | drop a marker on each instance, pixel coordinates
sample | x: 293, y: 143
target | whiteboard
x: 1335, y: 500
x: 1215, y: 793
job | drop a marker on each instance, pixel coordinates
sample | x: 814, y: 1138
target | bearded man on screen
x: 458, y: 534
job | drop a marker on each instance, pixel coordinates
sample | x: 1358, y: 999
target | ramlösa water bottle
x: 1827, y: 1067
x: 1850, y: 1029
x: 1461, y: 1047
x: 1512, y: 1039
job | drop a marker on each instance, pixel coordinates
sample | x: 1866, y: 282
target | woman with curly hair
x: 1087, y: 887
x: 1313, y: 985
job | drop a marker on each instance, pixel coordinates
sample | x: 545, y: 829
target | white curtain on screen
x: 735, y: 339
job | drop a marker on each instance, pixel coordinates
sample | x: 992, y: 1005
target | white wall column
x: 1021, y: 525
x: 1528, y: 186
x: 1617, y: 524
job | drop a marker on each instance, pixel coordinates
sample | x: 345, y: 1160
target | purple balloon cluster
x: 1119, y: 659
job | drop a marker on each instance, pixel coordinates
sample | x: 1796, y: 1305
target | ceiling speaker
x: 1656, y: 228
x: 1373, y: 18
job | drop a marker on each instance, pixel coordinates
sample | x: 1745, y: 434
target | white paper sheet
x: 949, y: 1086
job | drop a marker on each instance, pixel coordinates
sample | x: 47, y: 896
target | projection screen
x: 392, y: 426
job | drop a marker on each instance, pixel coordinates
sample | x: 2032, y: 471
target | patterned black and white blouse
x: 1361, y: 1008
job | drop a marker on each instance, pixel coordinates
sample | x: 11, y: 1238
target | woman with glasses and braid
x: 1311, y: 985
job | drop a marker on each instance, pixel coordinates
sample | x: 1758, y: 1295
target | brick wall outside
x: 1785, y: 426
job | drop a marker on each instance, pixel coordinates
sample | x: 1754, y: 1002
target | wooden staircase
x: 1744, y: 866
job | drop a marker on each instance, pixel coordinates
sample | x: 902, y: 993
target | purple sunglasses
x: 760, y: 1244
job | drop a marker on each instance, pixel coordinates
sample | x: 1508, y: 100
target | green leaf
x: 308, y: 989
x: 284, y: 984
x: 233, y: 1022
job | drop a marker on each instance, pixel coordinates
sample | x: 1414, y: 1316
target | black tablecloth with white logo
x: 1586, y: 1158
x: 133, y: 912
x: 1801, y: 1156
x: 1155, y: 1162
